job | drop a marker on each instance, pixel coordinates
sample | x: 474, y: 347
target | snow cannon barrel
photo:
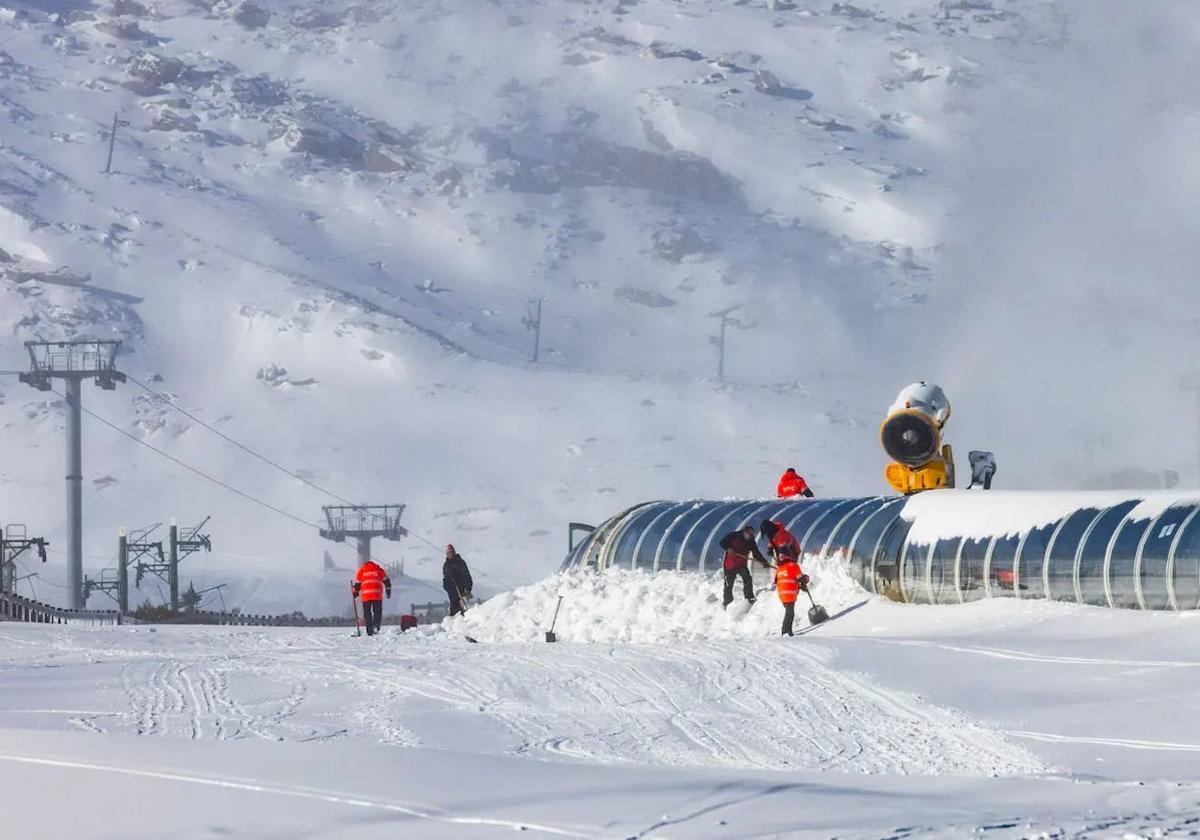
x: 911, y: 436
x: 1138, y: 551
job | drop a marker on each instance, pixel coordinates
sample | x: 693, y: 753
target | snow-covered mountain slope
x: 325, y: 223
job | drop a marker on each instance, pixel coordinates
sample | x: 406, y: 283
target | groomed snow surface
x: 656, y: 714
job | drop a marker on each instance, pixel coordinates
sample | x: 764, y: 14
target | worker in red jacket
x: 371, y: 584
x: 791, y: 484
x: 780, y: 542
x: 739, y: 546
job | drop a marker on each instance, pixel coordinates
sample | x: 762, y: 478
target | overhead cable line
x: 236, y: 443
x: 197, y: 471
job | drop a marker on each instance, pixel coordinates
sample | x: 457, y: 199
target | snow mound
x: 645, y: 607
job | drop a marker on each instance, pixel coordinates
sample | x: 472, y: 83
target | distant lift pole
x: 73, y: 362
x: 363, y: 523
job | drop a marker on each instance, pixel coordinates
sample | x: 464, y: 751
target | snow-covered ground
x: 998, y: 719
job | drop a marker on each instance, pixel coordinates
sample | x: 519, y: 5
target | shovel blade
x: 550, y: 637
x: 817, y: 614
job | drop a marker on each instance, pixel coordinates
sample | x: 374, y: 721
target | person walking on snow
x: 456, y: 580
x: 789, y: 580
x: 371, y: 584
x: 791, y: 485
x: 739, y: 547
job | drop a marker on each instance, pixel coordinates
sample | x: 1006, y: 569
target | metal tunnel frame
x: 1109, y: 550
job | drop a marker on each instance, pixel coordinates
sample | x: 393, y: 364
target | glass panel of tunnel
x: 838, y: 544
x: 1122, y: 557
x: 1001, y: 574
x: 666, y: 556
x: 673, y: 555
x: 886, y: 563
x: 1155, y: 551
x: 822, y: 529
x: 704, y: 541
x: 592, y: 556
x: 862, y: 552
x: 941, y: 571
x: 1185, y: 566
x: 642, y: 555
x: 1094, y: 550
x: 1031, y: 561
x: 971, y: 556
x: 1060, y: 559
x: 625, y: 537
x: 803, y: 516
x: 914, y: 563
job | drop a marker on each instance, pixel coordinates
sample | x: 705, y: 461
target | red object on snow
x: 407, y: 622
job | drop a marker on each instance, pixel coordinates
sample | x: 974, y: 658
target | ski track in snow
x: 761, y: 705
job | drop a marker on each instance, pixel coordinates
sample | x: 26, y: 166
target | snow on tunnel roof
x: 944, y: 514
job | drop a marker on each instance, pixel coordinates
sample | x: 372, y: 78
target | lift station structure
x: 363, y: 523
x: 73, y: 362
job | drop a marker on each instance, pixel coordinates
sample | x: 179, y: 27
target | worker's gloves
x: 804, y: 581
x: 388, y: 594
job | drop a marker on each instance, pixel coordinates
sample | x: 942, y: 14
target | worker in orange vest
x: 371, y: 584
x: 789, y: 580
x: 791, y: 484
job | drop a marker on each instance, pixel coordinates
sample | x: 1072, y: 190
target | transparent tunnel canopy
x: 1108, y: 550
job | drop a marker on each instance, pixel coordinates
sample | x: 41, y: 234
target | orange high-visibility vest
x: 370, y: 578
x: 787, y: 581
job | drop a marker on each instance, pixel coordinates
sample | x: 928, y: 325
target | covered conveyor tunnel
x: 944, y: 547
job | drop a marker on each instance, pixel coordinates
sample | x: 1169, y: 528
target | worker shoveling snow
x: 643, y: 607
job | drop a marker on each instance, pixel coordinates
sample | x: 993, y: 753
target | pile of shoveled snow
x: 645, y: 607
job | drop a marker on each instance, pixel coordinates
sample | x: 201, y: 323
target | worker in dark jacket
x: 456, y: 580
x: 739, y: 547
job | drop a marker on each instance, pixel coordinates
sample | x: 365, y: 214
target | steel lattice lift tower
x: 179, y: 547
x: 363, y: 523
x: 14, y: 542
x: 73, y: 362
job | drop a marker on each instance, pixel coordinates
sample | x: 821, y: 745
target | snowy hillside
x: 325, y: 224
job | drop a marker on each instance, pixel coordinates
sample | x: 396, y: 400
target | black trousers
x: 456, y: 606
x: 372, y: 616
x: 789, y: 613
x: 747, y: 584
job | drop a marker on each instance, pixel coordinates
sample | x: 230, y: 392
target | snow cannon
x: 911, y: 435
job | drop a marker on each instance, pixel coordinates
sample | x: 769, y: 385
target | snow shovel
x: 550, y: 637
x: 816, y: 613
x: 357, y: 624
x: 462, y: 606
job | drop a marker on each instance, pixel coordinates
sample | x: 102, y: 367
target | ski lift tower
x: 363, y: 523
x: 73, y: 362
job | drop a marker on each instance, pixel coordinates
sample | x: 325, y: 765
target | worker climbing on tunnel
x: 739, y: 547
x: 791, y: 484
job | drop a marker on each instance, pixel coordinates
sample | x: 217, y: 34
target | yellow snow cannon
x: 911, y: 435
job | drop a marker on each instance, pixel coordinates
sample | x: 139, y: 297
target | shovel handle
x: 554, y: 620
